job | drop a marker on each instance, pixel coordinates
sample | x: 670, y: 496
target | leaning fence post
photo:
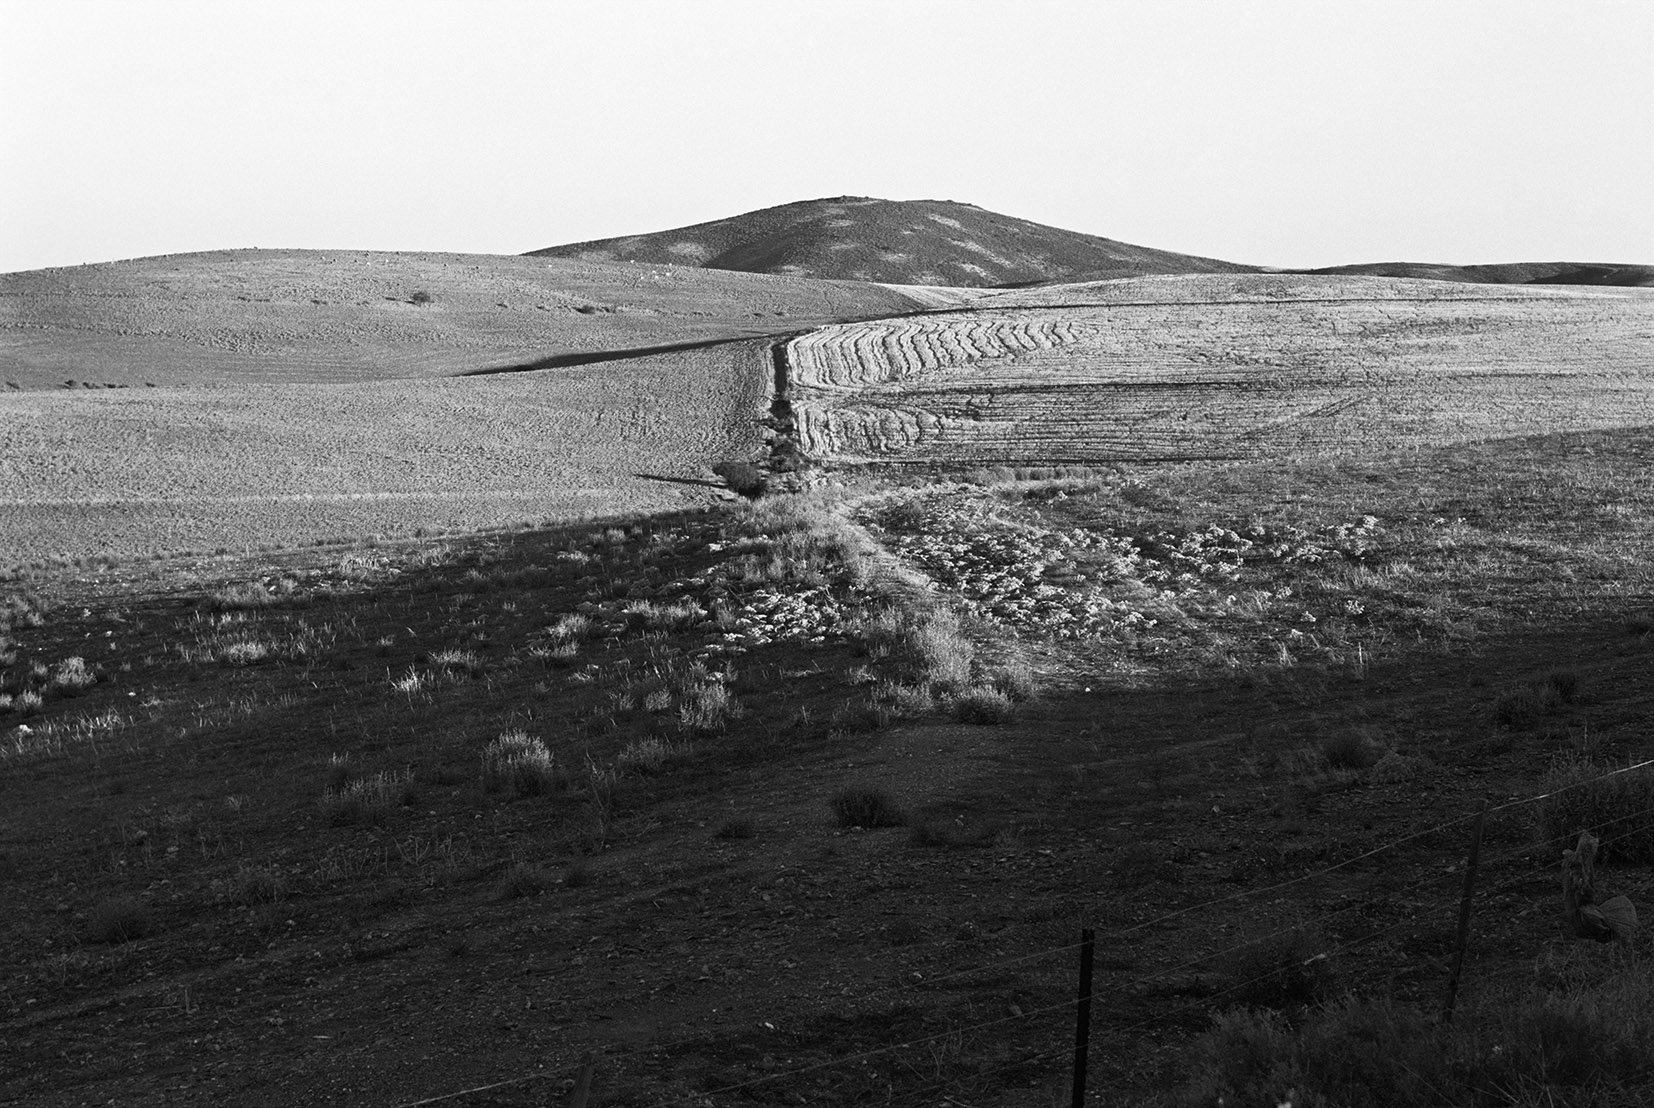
x: 1082, y: 1016
x: 580, y: 1096
x: 1464, y: 912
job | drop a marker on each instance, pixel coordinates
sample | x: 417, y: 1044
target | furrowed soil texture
x: 1222, y: 367
x: 291, y: 316
x: 121, y: 472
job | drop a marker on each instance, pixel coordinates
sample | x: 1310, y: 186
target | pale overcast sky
x: 1274, y: 132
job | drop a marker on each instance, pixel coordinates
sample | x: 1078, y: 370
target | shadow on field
x: 682, y: 480
x: 593, y: 357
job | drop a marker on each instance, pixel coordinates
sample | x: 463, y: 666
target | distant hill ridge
x: 1510, y: 273
x: 903, y: 242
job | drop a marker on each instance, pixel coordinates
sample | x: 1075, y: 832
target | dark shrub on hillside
x: 867, y: 808
x: 743, y: 477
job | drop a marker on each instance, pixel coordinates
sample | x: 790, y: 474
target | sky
x: 1272, y: 132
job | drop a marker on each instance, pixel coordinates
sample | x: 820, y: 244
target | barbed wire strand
x: 1116, y: 990
x: 1122, y: 933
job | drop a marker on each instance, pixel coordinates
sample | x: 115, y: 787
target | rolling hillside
x: 1512, y: 273
x: 903, y: 242
x: 324, y: 316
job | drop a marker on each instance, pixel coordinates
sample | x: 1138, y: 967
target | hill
x: 1509, y: 273
x: 901, y: 242
x: 331, y: 316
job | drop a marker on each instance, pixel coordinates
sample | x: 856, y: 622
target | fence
x: 1080, y: 1003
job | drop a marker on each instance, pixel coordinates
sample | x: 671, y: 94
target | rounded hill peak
x: 905, y: 242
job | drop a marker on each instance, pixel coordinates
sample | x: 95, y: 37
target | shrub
x: 1588, y: 1044
x: 520, y: 764
x: 954, y: 833
x: 982, y: 705
x: 744, y: 478
x: 906, y: 701
x: 570, y: 626
x: 942, y: 649
x: 867, y: 808
x: 706, y: 709
x: 1523, y: 706
x: 369, y: 799
x: 71, y: 676
x: 421, y: 297
x: 522, y: 880
x: 242, y: 597
x: 1282, y: 971
x: 736, y: 827
x: 648, y: 756
x: 1016, y: 679
x: 253, y: 885
x: 1352, y: 748
x: 458, y: 661
x: 1617, y: 810
x: 119, y: 921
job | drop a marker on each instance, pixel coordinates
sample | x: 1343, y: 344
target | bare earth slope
x: 271, y: 316
x: 118, y: 472
x: 1512, y: 273
x: 907, y: 242
x: 1222, y: 367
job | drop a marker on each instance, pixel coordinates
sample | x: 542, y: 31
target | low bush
x: 649, y: 757
x: 522, y: 880
x: 906, y: 701
x: 982, y: 705
x: 957, y: 832
x: 521, y: 765
x: 70, y: 676
x: 1585, y: 1044
x: 867, y: 808
x: 1352, y: 748
x: 1617, y: 809
x: 368, y: 799
x: 1278, y: 972
x: 736, y: 827
x: 943, y: 651
x: 744, y: 478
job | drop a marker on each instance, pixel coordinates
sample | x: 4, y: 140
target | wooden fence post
x: 1464, y: 912
x: 1082, y: 1015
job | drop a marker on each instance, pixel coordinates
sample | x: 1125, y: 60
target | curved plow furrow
x: 1231, y: 379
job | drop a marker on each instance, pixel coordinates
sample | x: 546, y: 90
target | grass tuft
x: 983, y: 705
x: 368, y: 800
x: 867, y: 808
x: 521, y: 765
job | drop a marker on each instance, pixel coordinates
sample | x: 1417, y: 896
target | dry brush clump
x: 867, y: 808
x: 1614, y: 803
x: 521, y: 765
x: 1586, y: 1041
x: 369, y: 799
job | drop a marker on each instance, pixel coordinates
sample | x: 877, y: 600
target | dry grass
x: 369, y: 799
x: 521, y: 765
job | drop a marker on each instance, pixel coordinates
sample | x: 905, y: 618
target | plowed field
x: 1231, y: 366
x: 129, y: 471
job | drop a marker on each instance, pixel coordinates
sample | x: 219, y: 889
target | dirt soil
x: 713, y: 936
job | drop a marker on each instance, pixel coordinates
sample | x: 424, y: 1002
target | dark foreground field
x: 374, y: 823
